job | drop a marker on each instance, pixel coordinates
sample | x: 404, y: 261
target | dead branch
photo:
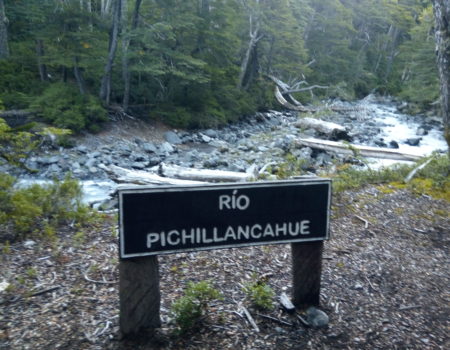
x: 250, y: 318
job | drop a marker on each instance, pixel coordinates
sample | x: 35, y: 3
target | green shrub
x: 188, y: 310
x: 40, y: 209
x: 260, y: 294
x: 63, y: 106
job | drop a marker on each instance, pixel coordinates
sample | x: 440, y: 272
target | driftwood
x: 365, y: 151
x: 174, y: 175
x: 331, y: 130
x: 139, y: 177
x: 208, y: 175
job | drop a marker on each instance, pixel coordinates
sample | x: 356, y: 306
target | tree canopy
x: 197, y: 63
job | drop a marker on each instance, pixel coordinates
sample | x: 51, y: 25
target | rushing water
x: 401, y: 127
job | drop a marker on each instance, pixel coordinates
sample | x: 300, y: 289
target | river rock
x: 415, y: 141
x: 82, y: 149
x: 154, y: 161
x: 205, y: 138
x: 139, y: 165
x: 210, y: 133
x: 393, y: 144
x: 48, y: 160
x: 90, y: 162
x: 149, y: 147
x: 166, y: 148
x: 317, y: 318
x: 124, y: 149
x: 172, y: 138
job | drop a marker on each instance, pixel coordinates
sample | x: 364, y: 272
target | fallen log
x: 208, y: 175
x: 365, y: 151
x: 139, y: 177
x: 332, y: 130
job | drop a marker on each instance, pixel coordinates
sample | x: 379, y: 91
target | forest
x: 201, y: 63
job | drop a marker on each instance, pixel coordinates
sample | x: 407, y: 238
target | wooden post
x: 306, y: 272
x: 139, y: 293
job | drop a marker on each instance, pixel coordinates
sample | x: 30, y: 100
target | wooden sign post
x: 165, y: 220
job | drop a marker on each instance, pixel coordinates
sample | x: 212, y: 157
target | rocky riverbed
x: 264, y: 138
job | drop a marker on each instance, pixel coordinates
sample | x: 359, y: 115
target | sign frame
x: 126, y: 190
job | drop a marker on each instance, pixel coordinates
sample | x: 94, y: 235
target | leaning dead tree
x: 284, y: 91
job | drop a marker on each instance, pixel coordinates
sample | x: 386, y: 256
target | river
x: 265, y: 138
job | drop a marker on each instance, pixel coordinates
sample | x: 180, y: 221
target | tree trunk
x: 105, y: 89
x: 125, y: 62
x: 249, y: 53
x: 79, y: 76
x: 40, y: 53
x: 442, y: 17
x: 4, y: 49
x: 105, y: 7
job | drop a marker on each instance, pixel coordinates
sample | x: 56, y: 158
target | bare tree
x: 40, y: 53
x: 442, y: 34
x: 125, y: 46
x: 4, y: 49
x: 250, y: 54
x: 105, y: 88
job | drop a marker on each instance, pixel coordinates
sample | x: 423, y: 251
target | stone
x: 82, y: 149
x: 48, y: 160
x: 166, y: 148
x: 317, y: 318
x: 54, y: 168
x: 421, y: 132
x: 172, y: 138
x: 154, y: 161
x: 90, y: 162
x: 205, y: 138
x: 29, y: 244
x: 393, y: 144
x: 415, y: 141
x: 138, y: 165
x: 210, y: 133
x: 149, y: 147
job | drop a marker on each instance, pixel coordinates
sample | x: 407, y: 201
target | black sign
x: 162, y: 220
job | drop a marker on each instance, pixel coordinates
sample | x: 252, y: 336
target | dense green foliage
x: 196, y: 63
x: 63, y: 106
x: 38, y: 210
x: 188, y: 309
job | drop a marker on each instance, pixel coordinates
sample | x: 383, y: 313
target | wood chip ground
x: 385, y: 285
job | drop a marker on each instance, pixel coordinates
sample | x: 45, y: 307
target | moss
x: 429, y: 187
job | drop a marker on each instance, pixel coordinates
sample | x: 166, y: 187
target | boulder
x: 172, y: 138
